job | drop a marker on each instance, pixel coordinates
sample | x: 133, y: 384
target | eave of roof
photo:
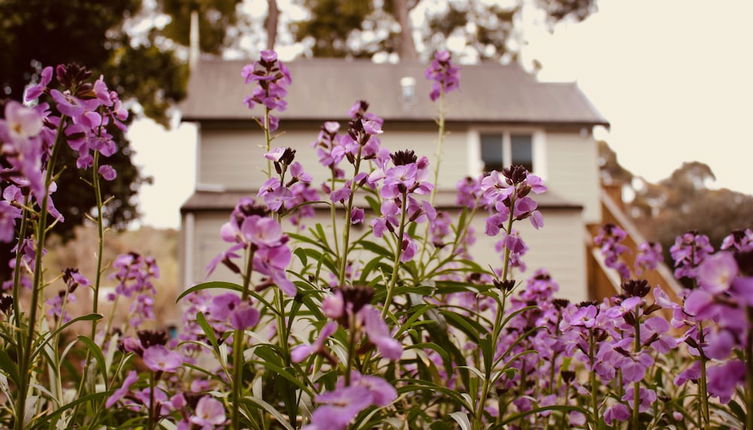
x: 214, y: 201
x: 324, y: 89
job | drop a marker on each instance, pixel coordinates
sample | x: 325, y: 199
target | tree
x: 334, y: 28
x: 216, y: 18
x: 148, y: 75
x: 680, y: 203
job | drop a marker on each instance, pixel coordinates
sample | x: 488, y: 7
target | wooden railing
x: 603, y: 281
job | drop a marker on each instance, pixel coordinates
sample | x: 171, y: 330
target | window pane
x: 491, y: 152
x: 522, y: 150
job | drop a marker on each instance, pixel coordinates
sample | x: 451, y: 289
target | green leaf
x: 51, y: 335
x: 208, y: 330
x: 8, y: 366
x: 98, y: 356
x: 469, y: 327
x: 375, y: 248
x: 212, y: 285
x: 44, y: 419
x: 269, y: 408
x: 417, y: 385
x: 501, y: 425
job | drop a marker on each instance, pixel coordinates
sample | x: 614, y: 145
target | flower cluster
x: 251, y: 229
x: 609, y: 240
x: 444, y: 76
x: 134, y: 274
x: 283, y: 195
x: 272, y: 78
x: 688, y: 253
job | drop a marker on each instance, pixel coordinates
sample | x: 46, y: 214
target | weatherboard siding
x: 232, y: 159
x: 573, y: 171
x: 557, y: 247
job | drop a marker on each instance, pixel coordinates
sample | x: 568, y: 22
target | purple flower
x: 209, y: 413
x: 649, y: 256
x: 647, y: 398
x: 340, y: 407
x: 33, y: 92
x: 333, y: 306
x: 738, y: 240
x: 8, y: 216
x: 617, y: 412
x: 129, y: 380
x: 688, y: 253
x: 357, y: 216
x: 444, y: 75
x: 609, y: 240
x: 717, y: 272
x: 244, y: 317
x: 272, y: 78
x: 160, y: 359
x: 21, y: 122
x: 107, y: 172
x: 724, y: 378
x: 379, y: 333
x: 301, y: 352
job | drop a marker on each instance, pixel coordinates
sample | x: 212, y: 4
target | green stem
x: 592, y: 377
x: 749, y: 372
x: 637, y: 385
x: 351, y: 349
x: 440, y: 144
x: 238, y: 350
x: 333, y: 216
x: 25, y: 364
x: 152, y: 409
x: 100, y: 250
x: 702, y: 389
x: 348, y: 213
x: 496, y: 329
x: 267, y: 140
x: 398, y: 254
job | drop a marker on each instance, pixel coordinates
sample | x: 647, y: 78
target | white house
x: 500, y: 115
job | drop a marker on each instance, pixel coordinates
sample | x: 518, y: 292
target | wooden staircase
x: 604, y: 281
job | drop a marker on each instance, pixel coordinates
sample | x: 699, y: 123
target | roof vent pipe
x: 408, y: 88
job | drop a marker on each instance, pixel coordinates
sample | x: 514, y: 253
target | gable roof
x: 324, y: 89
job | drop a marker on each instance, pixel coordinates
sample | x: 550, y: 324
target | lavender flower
x: 272, y: 78
x: 444, y: 75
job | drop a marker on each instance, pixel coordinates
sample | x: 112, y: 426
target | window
x: 500, y: 150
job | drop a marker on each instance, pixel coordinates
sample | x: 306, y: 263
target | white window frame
x: 538, y: 142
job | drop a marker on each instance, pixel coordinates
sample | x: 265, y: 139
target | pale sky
x: 674, y: 78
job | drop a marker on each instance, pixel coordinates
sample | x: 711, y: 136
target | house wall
x: 573, y: 170
x: 558, y: 247
x: 232, y: 158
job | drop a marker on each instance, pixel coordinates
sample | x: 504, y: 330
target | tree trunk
x: 271, y: 23
x: 407, y: 49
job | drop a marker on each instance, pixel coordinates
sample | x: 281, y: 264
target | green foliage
x: 331, y: 25
x: 335, y: 27
x: 680, y: 203
x: 215, y: 18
